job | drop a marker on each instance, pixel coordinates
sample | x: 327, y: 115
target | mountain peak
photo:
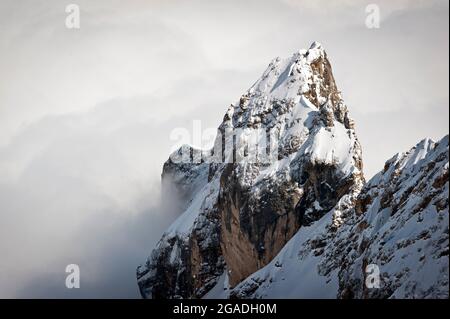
x: 285, y: 154
x: 288, y: 77
x: 307, y: 75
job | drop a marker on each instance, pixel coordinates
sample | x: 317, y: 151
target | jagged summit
x: 307, y: 74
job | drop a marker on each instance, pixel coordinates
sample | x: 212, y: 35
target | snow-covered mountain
x: 279, y: 206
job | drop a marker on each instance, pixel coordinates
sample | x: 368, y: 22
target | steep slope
x: 399, y: 223
x: 285, y: 154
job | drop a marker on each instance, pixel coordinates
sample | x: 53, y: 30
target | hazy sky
x: 85, y: 114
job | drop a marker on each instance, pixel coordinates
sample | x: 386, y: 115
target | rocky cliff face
x: 281, y: 186
x: 396, y: 230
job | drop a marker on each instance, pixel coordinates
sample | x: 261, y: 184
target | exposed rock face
x: 397, y: 226
x: 294, y: 154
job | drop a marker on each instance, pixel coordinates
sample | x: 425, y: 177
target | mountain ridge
x: 286, y: 156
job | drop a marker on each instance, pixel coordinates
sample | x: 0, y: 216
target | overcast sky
x: 85, y: 114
